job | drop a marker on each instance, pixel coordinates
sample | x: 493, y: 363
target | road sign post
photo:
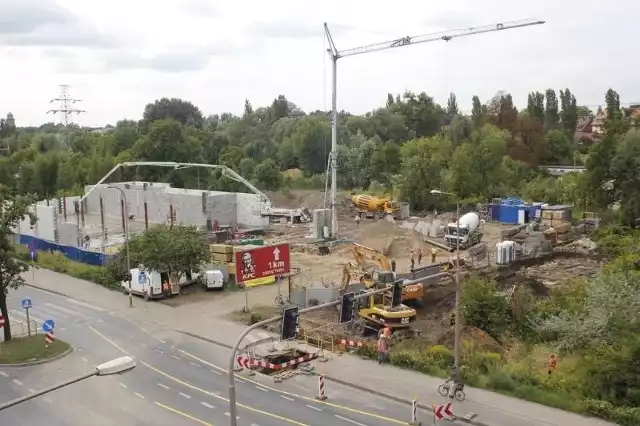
x: 26, y: 305
x: 48, y: 327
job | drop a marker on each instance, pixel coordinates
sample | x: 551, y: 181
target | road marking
x: 139, y: 395
x: 190, y: 386
x: 80, y: 350
x: 262, y: 389
x: 65, y: 310
x: 206, y: 404
x: 239, y: 381
x: 175, y: 357
x: 194, y: 364
x: 45, y: 399
x: 314, y: 408
x: 183, y: 414
x: 184, y: 395
x: 22, y: 315
x: 305, y: 398
x: 216, y: 372
x: 123, y: 385
x: 3, y: 374
x: 287, y: 398
x: 63, y: 329
x: 158, y: 351
x: 229, y: 415
x: 163, y: 386
x: 251, y: 338
x: 31, y: 390
x: 85, y: 305
x: 264, y: 335
x: 162, y: 341
x: 349, y: 420
x: 16, y: 382
x: 84, y: 359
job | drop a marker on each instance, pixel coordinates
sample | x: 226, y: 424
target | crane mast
x: 335, y: 54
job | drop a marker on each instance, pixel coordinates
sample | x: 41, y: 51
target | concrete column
x: 146, y: 215
x: 64, y: 207
x: 102, y: 214
x: 171, y: 215
x: 124, y: 224
x: 82, y: 209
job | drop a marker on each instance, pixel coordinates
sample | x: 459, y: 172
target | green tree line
x: 407, y: 147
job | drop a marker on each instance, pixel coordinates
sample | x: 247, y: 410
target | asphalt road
x: 182, y: 380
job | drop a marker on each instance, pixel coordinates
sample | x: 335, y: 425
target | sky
x: 119, y: 55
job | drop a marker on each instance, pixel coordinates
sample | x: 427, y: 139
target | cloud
x: 44, y: 23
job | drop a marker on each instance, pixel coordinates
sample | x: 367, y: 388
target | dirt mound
x: 312, y: 199
x: 473, y: 337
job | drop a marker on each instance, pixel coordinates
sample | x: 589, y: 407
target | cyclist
x: 454, y: 382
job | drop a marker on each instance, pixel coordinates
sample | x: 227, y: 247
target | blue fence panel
x: 72, y: 253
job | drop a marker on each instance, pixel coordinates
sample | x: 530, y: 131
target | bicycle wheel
x: 460, y: 396
x: 443, y: 390
x: 278, y: 300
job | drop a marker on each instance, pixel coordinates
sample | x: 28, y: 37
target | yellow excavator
x: 376, y: 312
x: 412, y: 294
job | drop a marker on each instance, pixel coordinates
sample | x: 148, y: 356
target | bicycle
x: 281, y: 300
x: 444, y: 388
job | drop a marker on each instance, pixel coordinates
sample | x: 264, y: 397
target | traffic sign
x: 1, y: 321
x: 32, y: 254
x: 142, y: 277
x: 262, y: 262
x: 443, y: 410
x: 26, y: 303
x: 48, y: 326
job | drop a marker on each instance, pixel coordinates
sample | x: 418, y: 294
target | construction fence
x: 72, y: 253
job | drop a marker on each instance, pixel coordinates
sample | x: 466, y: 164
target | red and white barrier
x: 245, y: 362
x: 48, y: 338
x: 322, y: 395
x: 351, y: 343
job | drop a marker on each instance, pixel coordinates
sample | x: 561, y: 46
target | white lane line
x: 85, y: 305
x: 264, y: 335
x: 162, y: 341
x: 22, y: 315
x: 216, y: 372
x: 84, y: 359
x: 65, y: 310
x: 3, y: 374
x: 194, y: 364
x: 206, y: 404
x: 239, y: 380
x: 123, y: 385
x: 314, y: 408
x: 63, y: 329
x: 163, y: 386
x: 184, y: 395
x: 262, y: 389
x: 82, y: 350
x: 45, y: 399
x: 287, y: 398
x: 229, y: 415
x: 251, y: 338
x: 349, y: 420
x: 158, y: 351
x: 139, y: 395
x: 175, y: 357
x: 16, y: 382
x: 31, y: 390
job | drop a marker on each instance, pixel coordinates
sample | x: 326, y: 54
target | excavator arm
x: 360, y: 253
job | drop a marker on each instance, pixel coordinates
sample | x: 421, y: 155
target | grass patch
x: 57, y: 262
x: 30, y: 349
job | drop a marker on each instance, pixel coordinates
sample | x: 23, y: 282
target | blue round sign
x: 48, y: 326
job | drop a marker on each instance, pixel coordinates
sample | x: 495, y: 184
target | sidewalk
x: 492, y: 409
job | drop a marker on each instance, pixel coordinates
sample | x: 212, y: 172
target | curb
x: 52, y: 291
x: 400, y: 400
x: 41, y: 361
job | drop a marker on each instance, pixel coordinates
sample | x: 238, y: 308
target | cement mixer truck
x: 376, y: 207
x: 471, y: 229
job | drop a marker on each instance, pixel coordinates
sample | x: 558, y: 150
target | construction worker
x: 393, y: 265
x: 552, y: 364
x: 383, y: 345
x: 434, y: 253
x: 357, y: 220
x: 413, y: 260
x: 419, y: 255
x: 165, y: 288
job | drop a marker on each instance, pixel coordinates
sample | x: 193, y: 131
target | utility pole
x: 335, y: 54
x: 66, y: 107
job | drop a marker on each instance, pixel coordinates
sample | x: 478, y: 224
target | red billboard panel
x: 262, y: 262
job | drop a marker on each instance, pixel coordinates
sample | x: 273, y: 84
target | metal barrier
x: 21, y: 329
x: 315, y: 338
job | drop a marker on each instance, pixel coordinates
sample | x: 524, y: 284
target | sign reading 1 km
x: 262, y: 262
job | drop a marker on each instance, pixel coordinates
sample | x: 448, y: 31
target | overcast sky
x: 119, y: 55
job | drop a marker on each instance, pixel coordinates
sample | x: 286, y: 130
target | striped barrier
x: 249, y: 363
x: 351, y: 343
x: 321, y: 391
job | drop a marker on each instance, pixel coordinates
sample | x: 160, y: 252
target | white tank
x: 472, y: 220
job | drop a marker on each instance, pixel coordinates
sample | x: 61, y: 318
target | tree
x: 172, y: 249
x: 478, y: 111
x: 183, y: 112
x: 483, y: 308
x: 551, y: 114
x: 569, y: 112
x: 13, y: 209
x: 452, y: 105
x: 535, y: 105
x: 625, y: 173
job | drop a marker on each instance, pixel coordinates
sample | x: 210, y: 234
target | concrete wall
x: 302, y: 295
x: 248, y: 211
x: 68, y: 234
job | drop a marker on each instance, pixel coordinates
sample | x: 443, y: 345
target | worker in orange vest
x: 165, y: 288
x: 383, y: 344
x: 552, y: 363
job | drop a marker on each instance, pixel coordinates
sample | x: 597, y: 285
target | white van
x: 212, y: 278
x: 142, y: 280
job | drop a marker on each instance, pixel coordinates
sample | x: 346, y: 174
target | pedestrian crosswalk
x: 64, y: 313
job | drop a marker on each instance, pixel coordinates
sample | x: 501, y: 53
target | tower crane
x: 335, y: 54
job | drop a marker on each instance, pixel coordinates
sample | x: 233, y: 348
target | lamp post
x: 126, y: 238
x: 456, y: 362
x: 115, y: 366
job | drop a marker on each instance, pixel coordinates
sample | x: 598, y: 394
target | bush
x: 57, y: 262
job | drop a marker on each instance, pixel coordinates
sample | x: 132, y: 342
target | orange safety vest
x: 552, y: 363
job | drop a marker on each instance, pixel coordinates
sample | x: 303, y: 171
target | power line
x: 66, y: 103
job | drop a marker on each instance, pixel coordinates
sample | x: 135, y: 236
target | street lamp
x: 456, y: 362
x: 126, y: 238
x: 115, y: 366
